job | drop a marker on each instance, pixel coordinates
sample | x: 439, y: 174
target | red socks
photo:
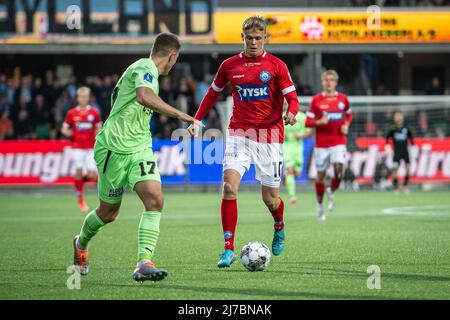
x: 277, y: 215
x: 335, y: 183
x: 320, y: 190
x: 229, y: 215
x: 79, y: 185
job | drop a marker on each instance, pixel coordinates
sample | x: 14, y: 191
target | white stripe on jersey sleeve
x: 65, y: 125
x: 310, y: 115
x: 287, y: 90
x: 349, y: 110
x: 215, y: 87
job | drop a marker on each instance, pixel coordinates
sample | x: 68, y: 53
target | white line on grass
x: 429, y: 210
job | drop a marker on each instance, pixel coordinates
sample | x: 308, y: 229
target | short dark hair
x: 165, y: 43
x: 254, y: 22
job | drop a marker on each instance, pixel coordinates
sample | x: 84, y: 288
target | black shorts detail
x: 401, y: 156
x: 106, y: 161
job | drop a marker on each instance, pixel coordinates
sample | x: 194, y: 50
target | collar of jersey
x: 262, y: 55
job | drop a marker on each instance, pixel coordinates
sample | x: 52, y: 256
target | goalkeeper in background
x: 293, y: 153
x: 124, y: 156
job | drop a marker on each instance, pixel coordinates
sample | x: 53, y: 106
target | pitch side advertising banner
x: 376, y: 26
x: 49, y: 162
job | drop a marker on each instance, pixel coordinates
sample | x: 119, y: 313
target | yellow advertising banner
x: 340, y: 27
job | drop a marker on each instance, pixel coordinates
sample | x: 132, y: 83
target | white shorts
x: 240, y: 152
x: 324, y: 156
x: 84, y: 159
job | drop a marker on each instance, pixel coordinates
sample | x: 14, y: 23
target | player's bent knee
x: 229, y: 191
x: 107, y: 215
x: 154, y: 203
x: 271, y: 203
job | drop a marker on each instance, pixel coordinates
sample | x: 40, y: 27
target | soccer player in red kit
x: 331, y: 136
x: 260, y: 82
x: 82, y: 124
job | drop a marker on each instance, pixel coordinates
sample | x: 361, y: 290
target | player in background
x: 400, y: 135
x: 82, y: 124
x: 260, y: 82
x: 331, y: 114
x: 124, y: 156
x: 293, y: 153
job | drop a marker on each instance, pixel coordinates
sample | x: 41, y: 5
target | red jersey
x: 83, y: 124
x: 338, y: 111
x: 259, y: 85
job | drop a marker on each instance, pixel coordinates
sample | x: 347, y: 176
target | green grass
x: 321, y: 261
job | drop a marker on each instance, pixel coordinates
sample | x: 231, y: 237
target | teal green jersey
x: 127, y: 129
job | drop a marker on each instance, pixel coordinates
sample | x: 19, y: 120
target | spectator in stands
x: 24, y: 92
x: 213, y: 120
x: 435, y: 87
x: 22, y: 126
x: 40, y: 118
x: 104, y: 98
x: 72, y: 86
x: 38, y: 88
x: 184, y: 98
x: 202, y: 87
x: 165, y: 90
x: 3, y: 80
x: 6, y: 126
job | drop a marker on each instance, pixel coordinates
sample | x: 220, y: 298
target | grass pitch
x: 407, y: 236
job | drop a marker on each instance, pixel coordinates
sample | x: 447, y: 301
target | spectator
x: 72, y: 86
x: 202, y: 88
x: 435, y: 87
x: 25, y: 90
x: 3, y: 80
x: 22, y: 127
x: 213, y: 120
x: 10, y: 91
x: 166, y: 91
x: 40, y: 118
x: 38, y: 88
x: 6, y: 126
x: 184, y: 98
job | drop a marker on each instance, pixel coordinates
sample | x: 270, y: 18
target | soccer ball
x: 255, y: 256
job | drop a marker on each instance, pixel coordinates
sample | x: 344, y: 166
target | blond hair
x: 84, y: 90
x: 254, y: 22
x: 330, y: 72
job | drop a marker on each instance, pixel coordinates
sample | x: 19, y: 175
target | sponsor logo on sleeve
x: 148, y: 77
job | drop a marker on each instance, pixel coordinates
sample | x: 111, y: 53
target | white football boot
x: 330, y: 195
x: 320, y: 214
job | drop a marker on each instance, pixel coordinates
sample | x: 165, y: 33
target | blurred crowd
x: 34, y: 107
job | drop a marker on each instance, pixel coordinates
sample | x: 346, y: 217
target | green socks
x: 92, y: 223
x: 148, y: 233
x: 290, y: 185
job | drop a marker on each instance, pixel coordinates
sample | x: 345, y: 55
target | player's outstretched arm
x: 207, y: 102
x: 146, y: 97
